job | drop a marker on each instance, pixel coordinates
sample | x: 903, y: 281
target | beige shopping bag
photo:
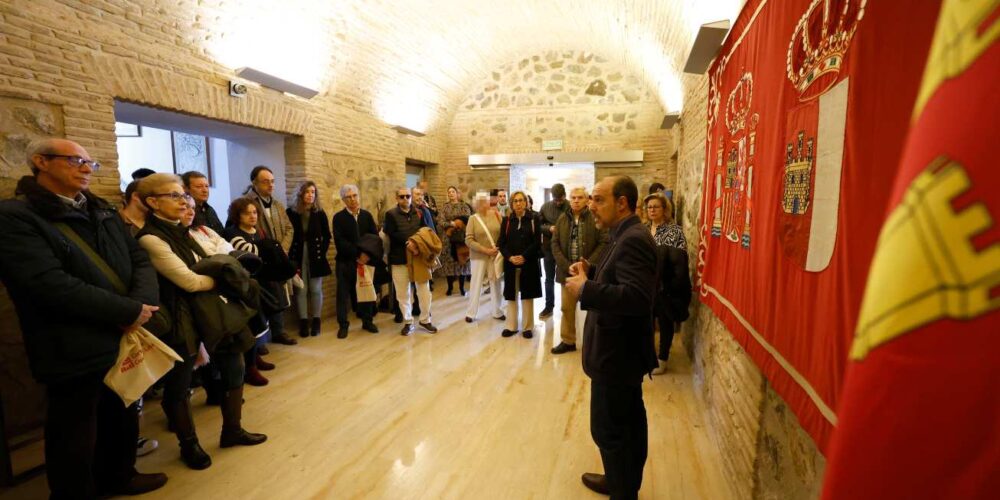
x: 365, y: 286
x: 142, y: 360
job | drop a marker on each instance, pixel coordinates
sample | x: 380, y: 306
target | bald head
x: 52, y: 145
x: 61, y: 166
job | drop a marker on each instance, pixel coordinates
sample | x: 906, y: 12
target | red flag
x: 919, y: 416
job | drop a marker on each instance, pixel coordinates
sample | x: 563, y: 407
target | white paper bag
x: 142, y: 360
x: 365, y: 286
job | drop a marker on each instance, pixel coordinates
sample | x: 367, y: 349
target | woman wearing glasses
x: 660, y: 217
x: 172, y: 251
x: 520, y: 243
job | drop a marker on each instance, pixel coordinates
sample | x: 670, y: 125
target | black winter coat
x: 673, y: 283
x: 347, y: 232
x: 521, y: 237
x: 70, y: 314
x: 316, y: 238
x: 618, y: 335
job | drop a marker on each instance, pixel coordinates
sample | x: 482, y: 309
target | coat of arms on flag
x: 734, y: 166
x: 815, y: 131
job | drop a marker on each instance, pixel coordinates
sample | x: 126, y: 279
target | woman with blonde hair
x: 310, y: 244
x: 660, y: 217
x: 482, y: 235
x: 173, y: 251
x: 520, y: 243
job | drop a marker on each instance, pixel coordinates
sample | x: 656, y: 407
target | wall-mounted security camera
x: 550, y: 157
x: 237, y: 89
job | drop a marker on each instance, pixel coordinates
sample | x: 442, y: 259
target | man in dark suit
x: 618, y: 348
x: 349, y: 225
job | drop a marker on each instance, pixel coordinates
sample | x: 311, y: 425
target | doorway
x: 536, y: 180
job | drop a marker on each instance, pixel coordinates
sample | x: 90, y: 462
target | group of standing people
x: 80, y: 273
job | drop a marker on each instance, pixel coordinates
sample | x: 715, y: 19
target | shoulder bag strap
x: 96, y: 259
x: 483, y: 225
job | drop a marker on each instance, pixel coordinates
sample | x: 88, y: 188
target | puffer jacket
x: 71, y: 317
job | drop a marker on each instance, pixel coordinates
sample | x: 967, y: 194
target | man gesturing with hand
x: 618, y: 348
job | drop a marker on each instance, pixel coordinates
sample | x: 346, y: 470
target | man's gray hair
x: 37, y: 147
x: 346, y: 190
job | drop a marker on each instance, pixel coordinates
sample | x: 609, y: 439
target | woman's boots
x: 316, y: 327
x: 233, y: 433
x: 179, y: 415
x: 303, y: 328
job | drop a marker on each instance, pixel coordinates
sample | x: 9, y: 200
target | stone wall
x: 63, y: 65
x: 584, y: 99
x: 765, y: 452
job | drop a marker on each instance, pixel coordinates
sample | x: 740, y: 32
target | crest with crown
x: 738, y: 115
x: 819, y: 44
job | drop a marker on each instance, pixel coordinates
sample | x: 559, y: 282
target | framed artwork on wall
x: 191, y: 153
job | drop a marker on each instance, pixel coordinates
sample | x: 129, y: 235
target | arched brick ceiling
x: 412, y: 62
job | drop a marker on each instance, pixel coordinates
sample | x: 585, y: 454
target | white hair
x: 346, y: 189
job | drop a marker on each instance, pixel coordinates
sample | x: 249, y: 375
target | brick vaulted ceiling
x: 411, y: 62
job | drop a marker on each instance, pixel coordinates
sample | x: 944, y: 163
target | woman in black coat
x: 310, y: 243
x: 520, y: 243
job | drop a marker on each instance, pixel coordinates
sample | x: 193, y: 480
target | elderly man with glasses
x: 78, y: 281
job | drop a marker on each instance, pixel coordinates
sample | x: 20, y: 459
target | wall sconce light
x: 706, y: 46
x: 408, y: 131
x: 273, y: 82
x: 670, y: 120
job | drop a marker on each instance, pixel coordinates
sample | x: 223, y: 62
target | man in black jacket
x: 550, y: 213
x: 196, y: 185
x: 349, y: 225
x: 618, y: 349
x: 73, y: 314
x: 400, y: 223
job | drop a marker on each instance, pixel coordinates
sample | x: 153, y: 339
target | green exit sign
x: 552, y: 144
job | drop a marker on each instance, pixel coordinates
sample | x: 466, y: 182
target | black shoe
x: 303, y: 328
x: 284, y: 339
x: 547, y: 312
x: 563, y: 348
x: 468, y: 319
x: 398, y: 318
x: 316, y: 324
x: 240, y: 437
x: 194, y: 456
x: 141, y: 483
x: 596, y: 482
x: 342, y: 332
x: 527, y: 334
x: 462, y: 292
x: 429, y: 327
x: 407, y: 330
x: 368, y: 326
x: 508, y: 333
x: 448, y: 292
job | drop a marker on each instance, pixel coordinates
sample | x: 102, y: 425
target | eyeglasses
x: 403, y: 196
x: 173, y: 196
x: 76, y: 161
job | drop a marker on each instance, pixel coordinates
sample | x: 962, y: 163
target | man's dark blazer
x: 618, y: 335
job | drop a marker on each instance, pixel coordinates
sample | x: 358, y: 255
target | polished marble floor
x: 460, y: 414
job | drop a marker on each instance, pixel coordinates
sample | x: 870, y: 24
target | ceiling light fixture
x: 670, y: 120
x: 706, y: 46
x: 408, y: 131
x: 273, y: 82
